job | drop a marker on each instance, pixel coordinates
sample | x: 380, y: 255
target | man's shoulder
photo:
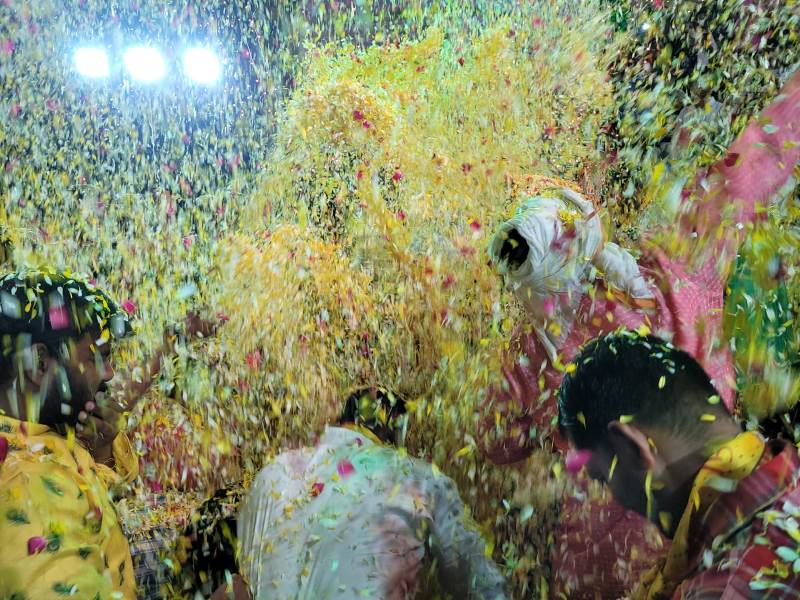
x: 41, y: 452
x: 755, y: 571
x: 289, y: 463
x: 48, y: 468
x: 759, y: 560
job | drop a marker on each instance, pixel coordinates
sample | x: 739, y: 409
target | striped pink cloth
x: 746, y: 533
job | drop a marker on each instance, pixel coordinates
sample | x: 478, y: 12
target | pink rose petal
x: 3, y: 448
x: 254, y: 359
x: 317, y: 488
x: 345, y: 468
x: 576, y: 460
x: 59, y: 318
x: 36, y: 545
x: 129, y: 306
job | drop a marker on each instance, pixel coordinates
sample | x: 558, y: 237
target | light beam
x: 202, y: 65
x: 92, y: 62
x: 145, y: 64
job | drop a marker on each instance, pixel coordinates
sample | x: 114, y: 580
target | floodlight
x: 91, y: 62
x: 144, y: 63
x: 201, y: 65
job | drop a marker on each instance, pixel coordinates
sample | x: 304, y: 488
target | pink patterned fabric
x: 688, y: 311
x: 688, y: 300
x: 745, y: 534
x: 600, y: 549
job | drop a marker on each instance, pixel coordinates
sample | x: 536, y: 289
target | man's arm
x: 464, y: 568
x: 130, y: 390
x: 99, y: 425
x: 524, y: 401
x: 257, y: 512
x: 736, y: 189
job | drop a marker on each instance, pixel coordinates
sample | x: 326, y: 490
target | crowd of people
x: 625, y: 355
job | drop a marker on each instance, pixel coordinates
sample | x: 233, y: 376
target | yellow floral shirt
x: 59, y: 532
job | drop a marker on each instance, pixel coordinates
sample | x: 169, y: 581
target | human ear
x: 625, y: 437
x: 36, y: 361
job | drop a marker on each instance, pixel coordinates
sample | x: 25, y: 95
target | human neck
x: 682, y: 462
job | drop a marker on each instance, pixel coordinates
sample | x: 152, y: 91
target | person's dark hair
x: 375, y: 408
x: 514, y: 250
x: 208, y: 554
x: 625, y: 375
x: 52, y: 307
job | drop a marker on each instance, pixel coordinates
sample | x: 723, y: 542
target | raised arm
x: 99, y: 424
x: 524, y: 401
x: 130, y: 390
x: 737, y: 188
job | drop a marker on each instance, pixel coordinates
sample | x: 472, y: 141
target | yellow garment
x: 59, y: 531
x: 126, y: 464
x: 734, y: 460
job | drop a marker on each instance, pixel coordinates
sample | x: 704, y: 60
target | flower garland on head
x: 50, y: 305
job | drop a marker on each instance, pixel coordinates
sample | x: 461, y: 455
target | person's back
x: 352, y: 518
x: 745, y: 546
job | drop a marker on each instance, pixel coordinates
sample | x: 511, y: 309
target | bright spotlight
x: 201, y: 65
x: 91, y: 62
x: 145, y: 64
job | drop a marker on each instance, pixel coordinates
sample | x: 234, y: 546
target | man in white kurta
x: 352, y: 518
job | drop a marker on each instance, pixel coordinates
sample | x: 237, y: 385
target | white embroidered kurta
x: 353, y: 519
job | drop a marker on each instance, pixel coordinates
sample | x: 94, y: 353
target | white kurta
x: 353, y: 519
